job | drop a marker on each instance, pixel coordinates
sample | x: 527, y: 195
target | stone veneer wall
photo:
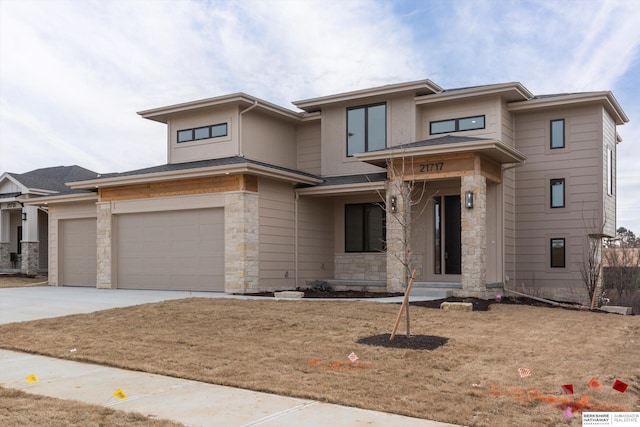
x: 241, y: 241
x: 103, y: 245
x: 474, y: 238
x: 30, y: 257
x: 5, y: 257
x: 361, y: 266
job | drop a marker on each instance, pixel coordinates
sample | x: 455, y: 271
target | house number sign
x: 431, y: 167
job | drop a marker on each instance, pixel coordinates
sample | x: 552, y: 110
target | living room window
x: 456, y: 125
x: 557, y: 253
x: 364, y: 227
x: 557, y: 192
x: 366, y: 128
x: 204, y: 132
x: 557, y: 133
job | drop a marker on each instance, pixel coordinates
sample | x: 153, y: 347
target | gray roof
x: 446, y: 139
x: 54, y: 178
x: 169, y: 167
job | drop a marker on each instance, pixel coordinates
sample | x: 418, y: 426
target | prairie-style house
x: 483, y: 188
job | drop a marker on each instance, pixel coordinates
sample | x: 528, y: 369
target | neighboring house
x: 509, y: 190
x: 24, y: 227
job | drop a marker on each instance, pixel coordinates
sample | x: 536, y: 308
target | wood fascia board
x: 316, y: 103
x: 515, y: 88
x: 330, y: 190
x: 605, y: 98
x: 193, y: 173
x: 64, y: 198
x: 510, y: 155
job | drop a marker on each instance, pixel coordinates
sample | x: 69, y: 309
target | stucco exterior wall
x: 315, y: 239
x: 308, y: 138
x: 269, y: 139
x: 490, y: 107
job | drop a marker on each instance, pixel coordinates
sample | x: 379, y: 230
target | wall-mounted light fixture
x: 24, y: 216
x: 468, y: 199
x: 394, y: 204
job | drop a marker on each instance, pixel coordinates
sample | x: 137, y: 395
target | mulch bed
x: 414, y: 342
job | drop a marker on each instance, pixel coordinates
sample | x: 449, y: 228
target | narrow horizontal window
x: 558, y: 253
x: 557, y: 133
x: 557, y: 193
x: 204, y: 132
x: 457, y: 125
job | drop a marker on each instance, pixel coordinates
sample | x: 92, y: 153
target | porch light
x: 468, y: 199
x: 24, y: 216
x: 394, y: 204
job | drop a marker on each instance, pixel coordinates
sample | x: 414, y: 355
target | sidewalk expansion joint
x: 281, y: 414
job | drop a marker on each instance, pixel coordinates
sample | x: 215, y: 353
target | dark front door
x: 452, y: 239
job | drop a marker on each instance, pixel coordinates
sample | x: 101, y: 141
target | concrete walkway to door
x: 189, y: 402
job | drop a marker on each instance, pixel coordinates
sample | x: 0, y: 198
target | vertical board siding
x: 276, y: 235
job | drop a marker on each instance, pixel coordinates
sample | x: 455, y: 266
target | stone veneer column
x: 474, y: 237
x: 30, y: 258
x: 398, y: 232
x: 241, y: 245
x: 103, y: 246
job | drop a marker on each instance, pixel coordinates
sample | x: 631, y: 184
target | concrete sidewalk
x: 188, y: 402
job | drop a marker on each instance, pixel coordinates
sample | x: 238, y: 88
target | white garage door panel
x: 78, y: 252
x: 171, y: 250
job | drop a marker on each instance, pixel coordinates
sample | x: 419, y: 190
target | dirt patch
x: 267, y: 345
x: 19, y: 281
x: 413, y: 342
x: 310, y: 293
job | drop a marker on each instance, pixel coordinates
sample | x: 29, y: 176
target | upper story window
x: 204, y: 132
x: 456, y: 125
x: 557, y: 133
x: 366, y: 128
x: 364, y: 227
x: 557, y: 193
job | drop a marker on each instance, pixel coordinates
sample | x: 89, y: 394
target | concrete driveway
x: 40, y: 302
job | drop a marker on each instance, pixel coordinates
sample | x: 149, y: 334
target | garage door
x: 177, y: 250
x: 78, y: 252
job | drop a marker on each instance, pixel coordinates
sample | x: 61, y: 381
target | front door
x: 447, y: 243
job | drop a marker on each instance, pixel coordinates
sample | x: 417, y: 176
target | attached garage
x: 78, y: 252
x: 170, y: 250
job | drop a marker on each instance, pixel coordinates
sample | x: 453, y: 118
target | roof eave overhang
x: 62, y: 198
x: 259, y: 170
x: 315, y: 104
x: 605, y: 98
x: 493, y: 149
x: 329, y: 190
x: 511, y: 91
x: 163, y: 114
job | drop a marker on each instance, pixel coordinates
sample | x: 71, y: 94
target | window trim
x: 552, y: 181
x: 210, y: 132
x: 365, y: 227
x: 456, y: 126
x: 564, y: 252
x: 564, y: 134
x: 366, y: 125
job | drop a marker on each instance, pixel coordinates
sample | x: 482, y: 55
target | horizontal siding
x: 580, y: 164
x: 276, y: 235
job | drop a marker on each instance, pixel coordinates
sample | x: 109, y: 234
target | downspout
x: 255, y: 104
x: 295, y: 237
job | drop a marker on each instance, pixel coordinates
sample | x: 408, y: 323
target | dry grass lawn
x: 18, y: 282
x: 21, y: 409
x: 300, y: 348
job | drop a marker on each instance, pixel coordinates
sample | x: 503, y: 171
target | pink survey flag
x: 524, y: 372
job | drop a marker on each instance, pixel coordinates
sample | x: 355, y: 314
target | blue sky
x: 73, y: 74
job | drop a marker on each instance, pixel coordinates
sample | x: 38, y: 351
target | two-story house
x: 478, y: 188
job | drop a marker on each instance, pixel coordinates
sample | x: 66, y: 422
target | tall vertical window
x: 609, y: 171
x: 364, y: 228
x: 366, y: 128
x: 437, y: 235
x: 557, y: 133
x: 557, y: 193
x: 557, y: 253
